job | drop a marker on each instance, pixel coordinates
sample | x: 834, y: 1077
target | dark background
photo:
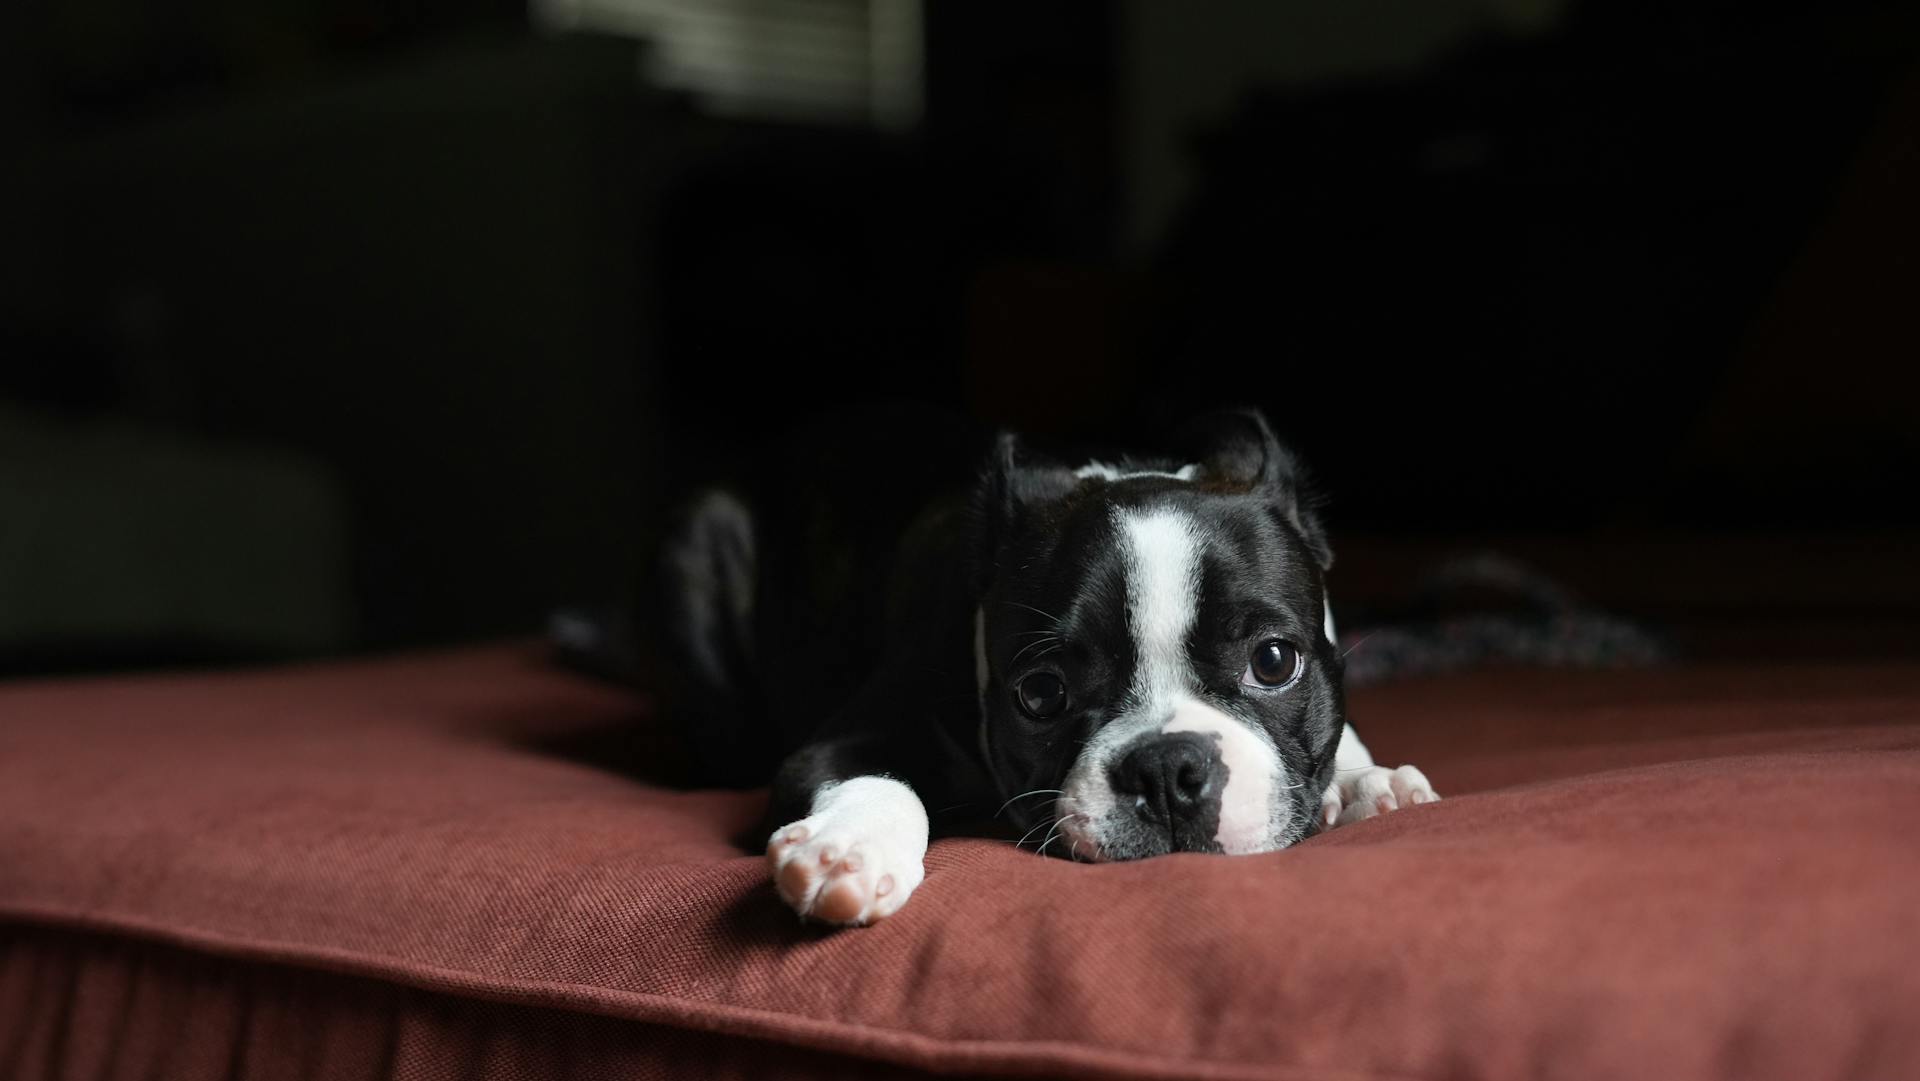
x: 370, y: 324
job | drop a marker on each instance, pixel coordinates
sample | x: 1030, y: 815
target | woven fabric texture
x: 447, y: 866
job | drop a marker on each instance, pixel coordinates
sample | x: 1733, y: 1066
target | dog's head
x: 1151, y: 646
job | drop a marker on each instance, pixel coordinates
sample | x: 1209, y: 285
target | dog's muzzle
x: 1195, y: 780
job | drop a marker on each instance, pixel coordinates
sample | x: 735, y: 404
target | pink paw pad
x: 825, y: 875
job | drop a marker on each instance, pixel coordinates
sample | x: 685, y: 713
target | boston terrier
x: 1126, y: 657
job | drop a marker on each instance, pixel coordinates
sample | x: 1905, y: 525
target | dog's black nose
x: 1170, y: 778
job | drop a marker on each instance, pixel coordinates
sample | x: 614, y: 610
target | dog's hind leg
x: 709, y: 569
x: 708, y: 578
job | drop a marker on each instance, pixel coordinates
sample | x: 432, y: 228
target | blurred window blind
x: 838, y: 61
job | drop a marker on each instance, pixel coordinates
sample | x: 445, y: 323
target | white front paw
x: 1372, y: 790
x: 857, y: 858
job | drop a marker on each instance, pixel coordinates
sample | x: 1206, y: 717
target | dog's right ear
x: 1017, y: 486
x: 1237, y: 448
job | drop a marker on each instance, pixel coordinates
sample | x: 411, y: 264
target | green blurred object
x: 122, y: 544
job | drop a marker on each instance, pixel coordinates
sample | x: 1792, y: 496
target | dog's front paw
x: 1372, y: 790
x: 848, y: 863
x: 836, y: 874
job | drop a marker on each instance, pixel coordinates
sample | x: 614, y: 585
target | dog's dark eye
x: 1274, y: 664
x: 1042, y: 695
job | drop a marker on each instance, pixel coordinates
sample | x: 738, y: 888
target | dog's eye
x: 1274, y: 664
x: 1042, y: 695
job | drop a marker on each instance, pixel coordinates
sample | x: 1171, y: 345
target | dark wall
x: 487, y: 304
x: 1531, y: 274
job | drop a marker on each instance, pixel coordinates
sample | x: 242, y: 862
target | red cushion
x: 1692, y: 873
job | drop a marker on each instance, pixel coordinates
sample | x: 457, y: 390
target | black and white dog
x: 1128, y: 657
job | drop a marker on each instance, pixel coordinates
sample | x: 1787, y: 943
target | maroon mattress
x: 423, y: 868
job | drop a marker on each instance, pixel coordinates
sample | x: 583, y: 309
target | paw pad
x: 836, y: 876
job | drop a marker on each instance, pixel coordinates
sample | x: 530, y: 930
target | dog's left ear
x: 1237, y: 449
x: 1018, y: 488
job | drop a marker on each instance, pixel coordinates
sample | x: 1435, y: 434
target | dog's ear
x: 1017, y: 485
x: 1236, y: 449
x: 1023, y: 477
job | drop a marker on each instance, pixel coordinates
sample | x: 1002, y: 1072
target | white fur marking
x: 857, y: 856
x: 1163, y: 585
x: 1359, y: 785
x: 1351, y: 754
x: 1110, y: 473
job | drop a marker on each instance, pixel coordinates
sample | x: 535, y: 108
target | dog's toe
x: 1375, y: 790
x: 1409, y: 787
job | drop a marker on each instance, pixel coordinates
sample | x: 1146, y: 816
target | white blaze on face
x: 1162, y: 550
x: 1163, y: 591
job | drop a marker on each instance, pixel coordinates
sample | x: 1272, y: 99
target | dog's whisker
x: 1024, y: 795
x: 1051, y: 640
x: 1046, y: 819
x: 1051, y: 834
x: 1060, y: 828
x: 1035, y: 611
x: 1044, y: 823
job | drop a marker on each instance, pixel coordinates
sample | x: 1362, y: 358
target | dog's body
x: 1127, y: 658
